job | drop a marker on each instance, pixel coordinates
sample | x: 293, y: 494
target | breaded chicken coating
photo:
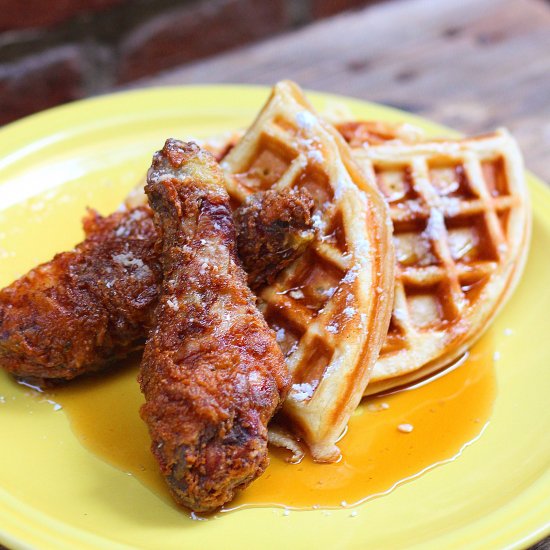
x: 212, y: 373
x: 92, y: 306
x: 86, y: 308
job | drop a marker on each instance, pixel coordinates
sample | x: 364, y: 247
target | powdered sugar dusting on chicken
x: 173, y: 304
x: 128, y: 260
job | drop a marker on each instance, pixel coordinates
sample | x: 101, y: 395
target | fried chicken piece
x: 273, y: 229
x: 86, y: 308
x: 212, y: 373
x: 92, y: 306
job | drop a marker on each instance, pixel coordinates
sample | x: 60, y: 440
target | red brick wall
x: 54, y: 51
x: 23, y: 14
x: 194, y: 31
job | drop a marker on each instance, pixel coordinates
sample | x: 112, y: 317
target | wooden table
x: 471, y: 64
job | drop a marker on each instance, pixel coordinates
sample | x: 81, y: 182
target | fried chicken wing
x: 212, y: 373
x: 91, y: 306
x: 86, y: 308
x: 273, y: 229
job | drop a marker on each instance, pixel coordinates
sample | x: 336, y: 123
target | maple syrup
x: 391, y: 438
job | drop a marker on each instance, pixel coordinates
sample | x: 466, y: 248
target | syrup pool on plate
x: 391, y: 438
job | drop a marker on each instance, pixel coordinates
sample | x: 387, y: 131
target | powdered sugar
x: 502, y: 248
x: 315, y: 155
x: 451, y: 205
x: 328, y: 292
x: 173, y: 303
x: 340, y: 187
x: 436, y: 225
x: 302, y: 392
x: 349, y: 312
x: 122, y: 231
x: 254, y: 378
x: 306, y: 120
x: 362, y: 248
x: 377, y: 407
x: 318, y: 221
x: 400, y: 314
x: 333, y: 366
x: 352, y: 273
x: 128, y: 260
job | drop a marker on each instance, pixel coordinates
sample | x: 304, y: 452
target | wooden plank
x: 471, y: 64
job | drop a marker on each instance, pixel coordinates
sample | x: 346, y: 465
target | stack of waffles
x: 418, y: 245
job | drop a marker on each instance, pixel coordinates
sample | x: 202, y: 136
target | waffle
x: 331, y: 307
x: 461, y: 229
x: 363, y: 133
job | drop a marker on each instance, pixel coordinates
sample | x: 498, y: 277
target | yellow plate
x: 55, y: 494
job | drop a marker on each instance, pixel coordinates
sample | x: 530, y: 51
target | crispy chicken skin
x: 86, y: 308
x: 273, y: 229
x: 90, y: 307
x: 212, y: 373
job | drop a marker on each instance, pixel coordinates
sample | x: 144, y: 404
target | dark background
x: 54, y: 51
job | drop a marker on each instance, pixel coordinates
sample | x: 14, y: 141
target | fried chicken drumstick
x: 212, y: 373
x: 92, y: 306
